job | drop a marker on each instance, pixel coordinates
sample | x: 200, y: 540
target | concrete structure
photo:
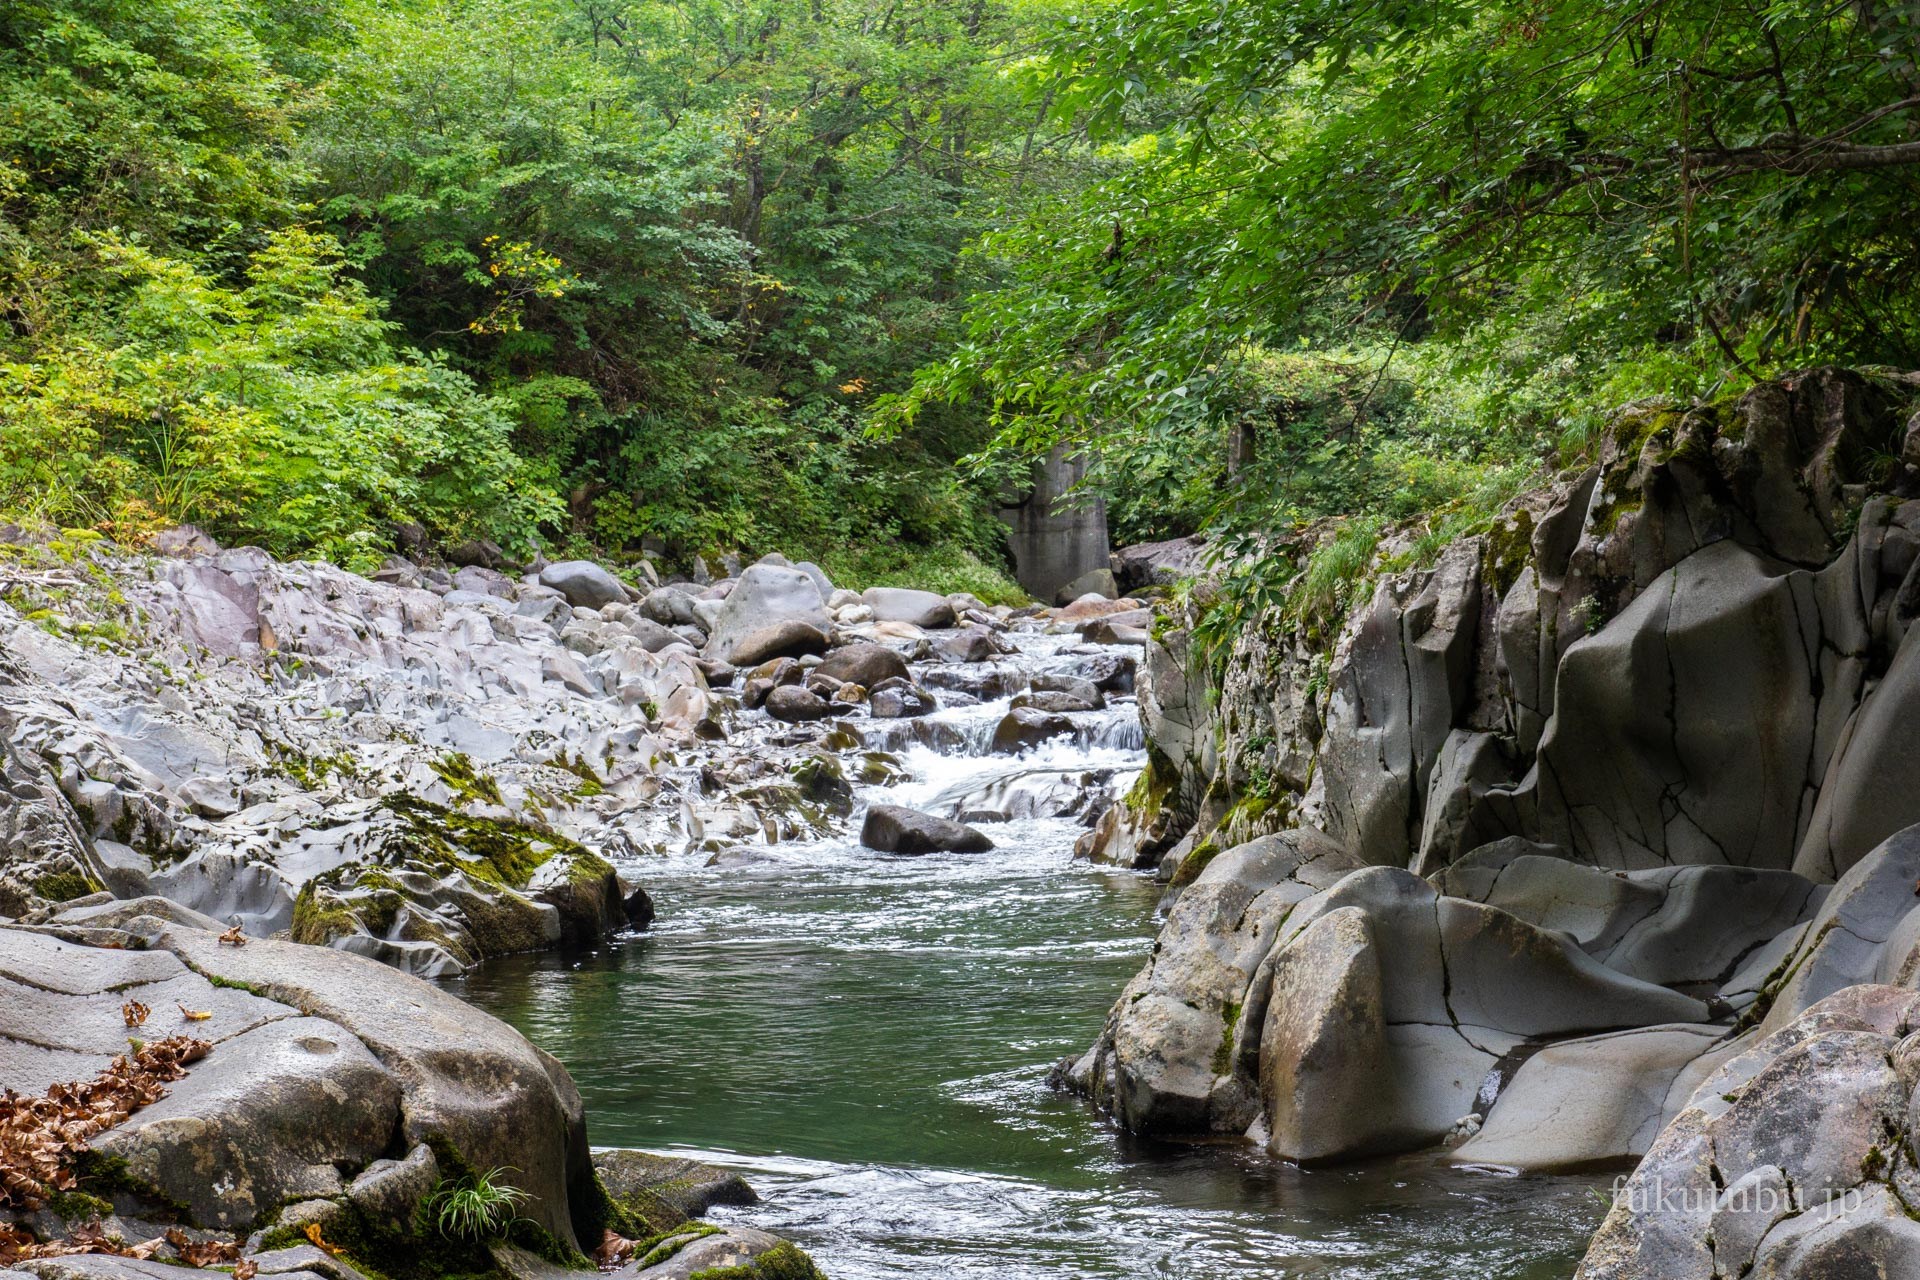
x: 1055, y: 539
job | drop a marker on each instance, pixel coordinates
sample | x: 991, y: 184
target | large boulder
x: 773, y: 611
x: 1094, y: 582
x: 1157, y: 564
x: 893, y: 828
x: 321, y: 1064
x: 900, y: 699
x: 915, y: 608
x: 1164, y: 1064
x: 585, y: 584
x: 465, y: 1080
x: 1790, y: 1162
x: 1368, y: 1033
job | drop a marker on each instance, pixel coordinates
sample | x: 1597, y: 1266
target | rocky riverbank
x: 249, y: 806
x: 1585, y: 844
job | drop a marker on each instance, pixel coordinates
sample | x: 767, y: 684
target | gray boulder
x: 969, y: 644
x: 585, y: 584
x: 1789, y: 1163
x: 916, y: 608
x: 277, y: 1110
x: 893, y: 828
x: 665, y: 1191
x: 773, y: 611
x: 1157, y: 564
x: 464, y: 1078
x: 1058, y: 703
x: 735, y: 1252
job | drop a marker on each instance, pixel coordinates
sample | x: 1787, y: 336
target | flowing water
x: 867, y: 1039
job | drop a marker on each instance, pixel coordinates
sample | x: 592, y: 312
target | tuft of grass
x: 475, y: 1207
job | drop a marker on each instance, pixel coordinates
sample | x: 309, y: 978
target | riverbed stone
x: 863, y: 664
x: 794, y: 703
x: 265, y: 1119
x: 665, y: 1191
x: 893, y: 828
x: 735, y: 1251
x: 1024, y: 728
x: 1821, y: 1118
x: 465, y: 1078
x: 585, y: 584
x: 772, y: 612
x: 921, y: 609
x: 1589, y: 1101
x: 897, y: 698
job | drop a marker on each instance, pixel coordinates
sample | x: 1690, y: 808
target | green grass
x: 945, y: 569
x: 476, y: 1206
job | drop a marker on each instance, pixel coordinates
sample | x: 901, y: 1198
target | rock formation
x: 1570, y: 847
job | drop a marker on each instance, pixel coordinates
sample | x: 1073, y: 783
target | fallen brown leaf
x: 194, y: 1015
x: 245, y: 1269
x: 312, y: 1232
x: 233, y: 937
x: 134, y: 1012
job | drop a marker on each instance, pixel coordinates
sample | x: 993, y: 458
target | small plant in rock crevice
x: 476, y: 1207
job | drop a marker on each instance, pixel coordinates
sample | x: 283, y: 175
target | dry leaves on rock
x: 613, y: 1252
x: 194, y: 1015
x: 233, y: 937
x: 39, y: 1137
x: 245, y: 1269
x: 201, y: 1253
x: 18, y: 1245
x: 134, y: 1012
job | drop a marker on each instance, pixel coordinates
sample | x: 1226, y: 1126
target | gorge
x: 1583, y: 846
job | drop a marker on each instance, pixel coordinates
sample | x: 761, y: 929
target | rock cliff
x: 1541, y: 840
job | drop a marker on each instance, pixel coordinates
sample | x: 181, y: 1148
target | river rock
x: 464, y: 1078
x: 1115, y: 632
x: 892, y: 828
x: 585, y: 584
x: 736, y: 1251
x: 321, y: 1063
x: 1094, y: 582
x: 896, y: 699
x: 1023, y: 728
x: 1157, y: 564
x: 795, y: 703
x: 772, y: 612
x: 1592, y: 1100
x: 1079, y: 688
x: 1056, y: 702
x: 921, y: 609
x: 969, y: 644
x: 863, y: 664
x: 278, y: 1109
x: 665, y: 1191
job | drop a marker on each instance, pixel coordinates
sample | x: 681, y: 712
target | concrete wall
x: 1053, y: 543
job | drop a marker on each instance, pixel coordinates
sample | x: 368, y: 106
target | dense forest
x: 819, y: 275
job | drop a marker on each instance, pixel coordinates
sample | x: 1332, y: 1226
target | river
x: 867, y: 1038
